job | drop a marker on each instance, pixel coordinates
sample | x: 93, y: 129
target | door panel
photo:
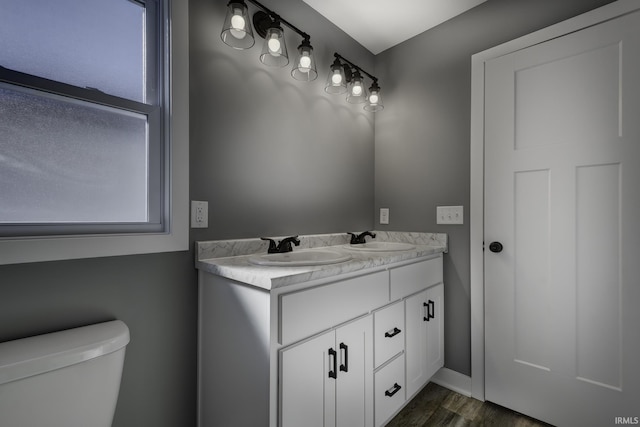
x: 416, y: 342
x: 307, y: 393
x: 354, y: 342
x: 562, y: 162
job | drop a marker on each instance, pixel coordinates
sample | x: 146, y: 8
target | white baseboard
x: 454, y: 381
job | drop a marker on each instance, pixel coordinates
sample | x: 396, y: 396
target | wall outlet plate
x: 384, y: 215
x: 199, y: 214
x: 450, y: 215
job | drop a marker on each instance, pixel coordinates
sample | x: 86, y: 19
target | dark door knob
x: 495, y: 247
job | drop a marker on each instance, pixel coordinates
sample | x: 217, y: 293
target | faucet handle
x: 272, y: 244
x: 360, y: 238
x: 285, y: 244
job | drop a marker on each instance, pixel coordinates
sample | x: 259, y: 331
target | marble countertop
x: 230, y: 258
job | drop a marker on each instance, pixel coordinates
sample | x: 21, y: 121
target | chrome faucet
x: 359, y: 239
x: 283, y: 245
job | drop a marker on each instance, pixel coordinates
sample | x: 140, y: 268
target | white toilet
x: 63, y: 379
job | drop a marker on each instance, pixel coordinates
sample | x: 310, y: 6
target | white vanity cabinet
x: 342, y: 351
x: 326, y: 381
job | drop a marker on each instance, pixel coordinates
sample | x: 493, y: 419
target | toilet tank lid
x: 35, y: 355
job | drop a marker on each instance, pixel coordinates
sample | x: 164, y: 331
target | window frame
x: 167, y: 228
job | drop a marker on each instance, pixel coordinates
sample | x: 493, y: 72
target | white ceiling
x: 381, y: 24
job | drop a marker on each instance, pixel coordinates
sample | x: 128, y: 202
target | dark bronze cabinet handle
x: 393, y: 333
x: 333, y: 373
x: 345, y: 366
x: 393, y: 390
x: 430, y: 310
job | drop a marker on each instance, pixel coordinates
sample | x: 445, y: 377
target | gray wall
x: 265, y: 181
x: 422, y: 136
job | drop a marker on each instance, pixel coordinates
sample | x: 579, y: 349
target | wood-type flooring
x: 440, y: 407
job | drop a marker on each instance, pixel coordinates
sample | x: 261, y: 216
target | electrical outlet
x: 384, y: 215
x: 449, y: 215
x: 199, y: 214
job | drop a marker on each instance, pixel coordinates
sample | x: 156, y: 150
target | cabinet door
x: 425, y: 336
x: 435, y: 330
x: 354, y: 385
x: 307, y: 391
x: 416, y: 342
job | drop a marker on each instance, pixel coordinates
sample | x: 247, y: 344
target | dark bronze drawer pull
x: 393, y: 390
x: 393, y: 333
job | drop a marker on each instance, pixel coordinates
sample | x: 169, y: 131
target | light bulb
x: 356, y: 90
x: 336, y: 78
x: 274, y: 45
x: 238, y: 25
x: 305, y: 63
x: 373, y: 98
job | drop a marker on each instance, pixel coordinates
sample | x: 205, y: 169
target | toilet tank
x: 69, y: 378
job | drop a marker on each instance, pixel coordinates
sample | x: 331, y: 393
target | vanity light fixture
x: 345, y: 76
x: 274, y: 49
x: 304, y: 69
x: 237, y: 33
x: 356, y: 93
x: 337, y: 79
x: 374, y: 101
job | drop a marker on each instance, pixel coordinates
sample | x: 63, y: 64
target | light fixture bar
x: 274, y: 16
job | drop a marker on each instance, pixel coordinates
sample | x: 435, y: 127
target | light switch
x: 450, y: 215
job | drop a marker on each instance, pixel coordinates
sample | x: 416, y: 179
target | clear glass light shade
x: 274, y: 50
x: 237, y: 31
x: 374, y: 101
x: 304, y: 69
x: 336, y: 81
x: 356, y: 93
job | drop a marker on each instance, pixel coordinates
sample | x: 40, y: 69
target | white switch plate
x: 450, y: 215
x: 199, y: 214
x: 384, y: 215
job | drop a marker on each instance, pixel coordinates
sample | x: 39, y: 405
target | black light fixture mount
x: 261, y: 22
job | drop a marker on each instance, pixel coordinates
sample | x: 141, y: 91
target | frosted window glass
x: 85, y: 43
x: 70, y: 161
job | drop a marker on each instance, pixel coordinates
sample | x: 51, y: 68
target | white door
x: 562, y: 195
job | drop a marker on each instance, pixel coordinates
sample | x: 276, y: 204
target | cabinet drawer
x: 389, y: 390
x: 309, y: 311
x: 412, y: 278
x: 388, y: 332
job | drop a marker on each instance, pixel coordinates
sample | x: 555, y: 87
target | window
x: 86, y: 140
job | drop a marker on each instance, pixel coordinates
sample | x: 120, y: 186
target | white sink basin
x: 305, y: 257
x: 381, y: 246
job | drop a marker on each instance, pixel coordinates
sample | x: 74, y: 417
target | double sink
x: 311, y: 257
